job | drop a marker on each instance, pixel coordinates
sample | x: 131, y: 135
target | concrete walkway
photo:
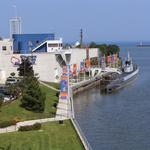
x: 49, y: 86
x: 64, y: 109
x: 64, y: 105
x: 28, y: 123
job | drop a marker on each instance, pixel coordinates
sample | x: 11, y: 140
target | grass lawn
x: 13, y: 110
x: 52, y: 136
x: 55, y: 85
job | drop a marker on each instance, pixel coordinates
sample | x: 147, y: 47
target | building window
x: 4, y: 48
x: 53, y: 45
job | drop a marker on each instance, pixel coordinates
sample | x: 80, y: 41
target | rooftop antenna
x: 81, y: 38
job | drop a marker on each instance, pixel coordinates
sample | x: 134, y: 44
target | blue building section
x: 24, y: 43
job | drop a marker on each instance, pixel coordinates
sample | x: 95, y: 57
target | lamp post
x: 68, y: 58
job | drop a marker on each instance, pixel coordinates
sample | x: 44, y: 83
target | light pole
x: 68, y: 58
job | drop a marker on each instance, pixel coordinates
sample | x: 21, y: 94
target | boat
x: 116, y: 80
x: 143, y: 45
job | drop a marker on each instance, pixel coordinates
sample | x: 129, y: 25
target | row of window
x: 55, y: 45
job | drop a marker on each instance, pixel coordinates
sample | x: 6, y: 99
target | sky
x: 101, y: 20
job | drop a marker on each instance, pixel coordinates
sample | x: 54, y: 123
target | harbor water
x: 121, y: 120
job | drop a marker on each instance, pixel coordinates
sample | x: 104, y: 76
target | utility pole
x: 81, y: 38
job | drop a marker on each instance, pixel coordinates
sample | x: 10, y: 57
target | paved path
x: 64, y: 109
x: 27, y: 123
x: 49, y: 86
x: 64, y: 106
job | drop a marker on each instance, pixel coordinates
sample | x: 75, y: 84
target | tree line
x: 106, y: 49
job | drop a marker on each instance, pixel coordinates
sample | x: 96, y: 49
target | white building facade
x: 47, y: 65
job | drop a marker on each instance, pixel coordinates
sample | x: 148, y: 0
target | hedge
x: 35, y: 126
x: 7, y: 123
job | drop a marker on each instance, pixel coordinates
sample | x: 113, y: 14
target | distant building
x: 28, y: 43
x: 15, y: 26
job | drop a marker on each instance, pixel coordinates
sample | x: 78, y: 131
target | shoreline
x: 73, y: 90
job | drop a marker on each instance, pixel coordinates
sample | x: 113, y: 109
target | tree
x: 103, y: 49
x: 106, y: 49
x: 33, y: 98
x: 1, y: 100
x: 113, y: 49
x: 14, y: 90
x: 92, y: 45
x: 25, y: 68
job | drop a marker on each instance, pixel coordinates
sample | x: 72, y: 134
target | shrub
x: 1, y: 99
x: 17, y: 119
x: 7, y: 123
x: 36, y: 126
x: 55, y: 105
x: 61, y: 121
x: 57, y: 94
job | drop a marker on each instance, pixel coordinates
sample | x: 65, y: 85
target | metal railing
x: 81, y: 134
x: 76, y: 125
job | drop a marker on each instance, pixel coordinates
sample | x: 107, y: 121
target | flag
x: 103, y: 59
x: 74, y: 69
x: 65, y: 70
x: 112, y: 58
x: 82, y: 67
x: 87, y: 63
x: 108, y: 59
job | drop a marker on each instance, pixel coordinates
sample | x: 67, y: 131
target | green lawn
x: 52, y: 136
x: 13, y: 110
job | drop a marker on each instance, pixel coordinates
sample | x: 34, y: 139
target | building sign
x: 15, y: 61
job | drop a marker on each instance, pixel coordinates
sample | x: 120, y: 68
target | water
x: 121, y: 120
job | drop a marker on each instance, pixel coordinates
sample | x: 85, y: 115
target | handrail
x: 76, y: 125
x: 86, y: 143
